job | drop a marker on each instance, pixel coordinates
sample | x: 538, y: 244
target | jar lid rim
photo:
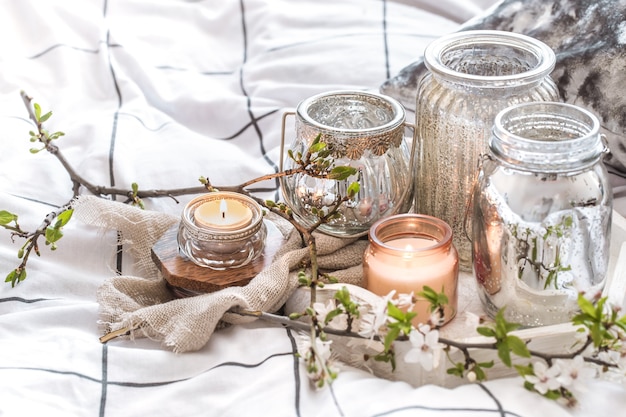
x: 575, y: 152
x: 399, y: 114
x: 441, y: 242
x: 545, y: 54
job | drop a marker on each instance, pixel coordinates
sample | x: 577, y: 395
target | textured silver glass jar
x: 222, y: 230
x: 472, y: 76
x: 365, y: 131
x: 542, y: 213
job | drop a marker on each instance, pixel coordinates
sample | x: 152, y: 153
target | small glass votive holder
x: 407, y: 252
x: 222, y: 230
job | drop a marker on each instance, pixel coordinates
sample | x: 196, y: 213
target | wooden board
x: 188, y: 279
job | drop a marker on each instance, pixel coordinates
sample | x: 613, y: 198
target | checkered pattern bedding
x: 160, y: 93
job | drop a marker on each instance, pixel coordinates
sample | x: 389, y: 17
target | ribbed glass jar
x: 407, y: 252
x: 472, y: 76
x: 542, y: 213
x: 365, y: 131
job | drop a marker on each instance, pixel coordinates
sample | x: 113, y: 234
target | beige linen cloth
x: 147, y: 308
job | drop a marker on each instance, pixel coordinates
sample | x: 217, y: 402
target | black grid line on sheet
x: 105, y: 370
x: 253, y: 119
x: 106, y: 381
x: 448, y: 411
x: 24, y: 300
x: 493, y: 397
x: 296, y: 373
x: 385, y: 40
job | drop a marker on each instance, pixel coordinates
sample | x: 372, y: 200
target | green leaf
x: 64, y: 218
x: 53, y: 234
x: 518, y: 346
x: 486, y: 331
x: 586, y: 306
x: 391, y: 336
x: 135, y: 188
x: 37, y: 108
x: 317, y: 147
x: 56, y: 135
x: 332, y: 314
x: 353, y: 189
x: 7, y: 217
x: 552, y: 395
x: 480, y: 374
x: 524, y: 370
x: 504, y: 353
x: 457, y: 370
x: 295, y: 316
x: 341, y: 173
x: 45, y: 117
x: 395, y: 312
x: 11, y: 277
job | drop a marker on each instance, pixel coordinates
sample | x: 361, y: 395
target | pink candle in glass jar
x: 410, y: 251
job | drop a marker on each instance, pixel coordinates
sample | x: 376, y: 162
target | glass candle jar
x: 222, y: 230
x: 407, y: 252
x: 542, y: 213
x: 472, y: 76
x: 362, y: 130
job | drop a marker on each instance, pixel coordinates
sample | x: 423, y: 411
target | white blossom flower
x: 372, y: 322
x: 405, y: 301
x: 362, y: 352
x: 319, y: 365
x: 544, y: 379
x: 611, y: 356
x: 436, y: 317
x: 426, y: 348
x: 574, y: 372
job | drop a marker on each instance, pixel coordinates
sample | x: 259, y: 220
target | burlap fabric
x: 144, y: 305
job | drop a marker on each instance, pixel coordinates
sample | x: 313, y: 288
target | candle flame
x: 223, y: 208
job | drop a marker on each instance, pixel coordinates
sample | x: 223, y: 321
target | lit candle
x: 223, y: 214
x: 408, y: 252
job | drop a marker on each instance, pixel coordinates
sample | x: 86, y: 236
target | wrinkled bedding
x: 160, y: 93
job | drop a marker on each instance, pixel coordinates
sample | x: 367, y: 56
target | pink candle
x: 408, y: 252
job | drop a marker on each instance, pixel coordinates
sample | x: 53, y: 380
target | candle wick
x: 223, y: 215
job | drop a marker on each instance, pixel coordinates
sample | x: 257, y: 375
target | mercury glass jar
x: 407, y: 252
x: 472, y: 76
x: 542, y: 213
x: 365, y: 131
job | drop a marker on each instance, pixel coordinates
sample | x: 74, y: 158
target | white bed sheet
x: 160, y: 93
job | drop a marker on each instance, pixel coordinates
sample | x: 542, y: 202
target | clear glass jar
x: 222, y: 230
x: 365, y: 131
x: 407, y: 252
x: 542, y: 213
x: 472, y: 76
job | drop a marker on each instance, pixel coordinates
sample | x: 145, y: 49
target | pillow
x: 589, y: 40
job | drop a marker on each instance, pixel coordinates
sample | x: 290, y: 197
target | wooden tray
x: 186, y: 279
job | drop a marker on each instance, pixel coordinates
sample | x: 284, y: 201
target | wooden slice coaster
x: 186, y: 279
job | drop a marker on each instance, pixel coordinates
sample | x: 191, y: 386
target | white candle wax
x: 223, y: 214
x: 408, y: 267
